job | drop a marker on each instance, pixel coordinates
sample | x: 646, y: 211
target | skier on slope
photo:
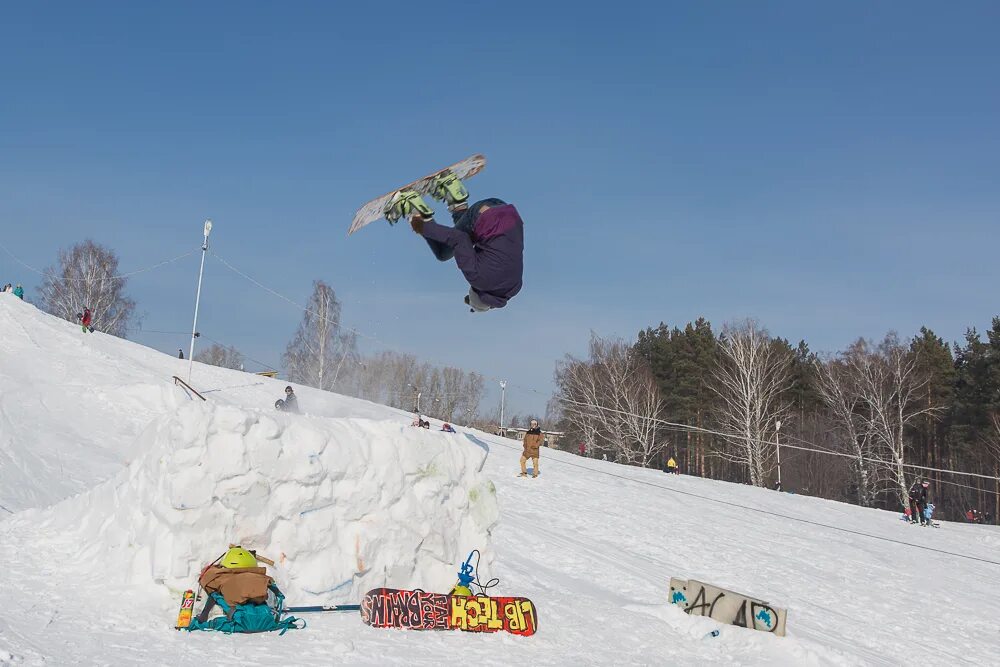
x: 85, y: 319
x: 487, y: 240
x: 918, y: 500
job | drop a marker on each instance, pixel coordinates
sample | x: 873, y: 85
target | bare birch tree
x: 86, y: 276
x: 891, y: 391
x: 317, y: 353
x: 751, y: 379
x: 220, y: 355
x: 613, y: 400
x: 839, y: 385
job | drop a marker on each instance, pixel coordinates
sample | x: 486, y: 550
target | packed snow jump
x: 486, y: 239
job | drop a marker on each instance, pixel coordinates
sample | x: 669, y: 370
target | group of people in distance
x: 16, y: 291
x: 919, y: 511
x: 420, y: 422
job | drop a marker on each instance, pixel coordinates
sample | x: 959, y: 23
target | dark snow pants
x: 464, y: 221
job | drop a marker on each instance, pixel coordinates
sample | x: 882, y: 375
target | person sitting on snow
x: 291, y: 402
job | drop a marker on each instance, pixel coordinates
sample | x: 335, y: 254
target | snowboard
x: 374, y: 210
x: 417, y: 610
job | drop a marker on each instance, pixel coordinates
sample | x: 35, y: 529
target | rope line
x: 769, y: 512
x: 118, y: 276
x: 671, y: 425
x: 708, y: 431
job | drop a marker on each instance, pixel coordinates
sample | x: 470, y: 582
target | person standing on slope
x: 487, y: 240
x: 533, y: 440
x: 672, y: 466
x: 19, y: 292
x: 85, y: 320
x: 918, y: 500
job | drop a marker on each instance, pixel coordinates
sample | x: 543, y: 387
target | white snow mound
x: 342, y: 505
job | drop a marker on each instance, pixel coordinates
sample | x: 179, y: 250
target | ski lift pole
x: 197, y: 298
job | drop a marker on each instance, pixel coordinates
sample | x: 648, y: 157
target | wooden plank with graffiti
x: 418, y: 610
x: 699, y: 599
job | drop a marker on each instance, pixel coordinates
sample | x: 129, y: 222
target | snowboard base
x: 375, y: 209
x: 417, y: 610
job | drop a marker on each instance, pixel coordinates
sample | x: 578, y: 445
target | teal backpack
x: 247, y: 617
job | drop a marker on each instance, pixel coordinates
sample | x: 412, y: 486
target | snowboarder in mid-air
x: 487, y: 240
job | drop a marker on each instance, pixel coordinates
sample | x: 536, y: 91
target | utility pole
x: 197, y: 298
x: 503, y: 398
x: 777, y: 429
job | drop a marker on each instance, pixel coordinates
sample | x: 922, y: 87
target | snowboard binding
x: 406, y: 203
x: 447, y: 187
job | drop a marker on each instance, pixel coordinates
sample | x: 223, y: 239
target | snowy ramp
x: 342, y: 505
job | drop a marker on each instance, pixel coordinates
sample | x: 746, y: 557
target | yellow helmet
x: 238, y: 557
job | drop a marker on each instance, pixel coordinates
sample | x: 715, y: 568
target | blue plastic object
x: 465, y: 575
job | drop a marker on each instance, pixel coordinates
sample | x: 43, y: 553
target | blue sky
x: 830, y: 170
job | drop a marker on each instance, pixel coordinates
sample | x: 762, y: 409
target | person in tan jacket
x: 533, y: 439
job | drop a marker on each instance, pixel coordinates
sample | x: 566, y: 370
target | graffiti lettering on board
x: 699, y: 599
x: 418, y: 610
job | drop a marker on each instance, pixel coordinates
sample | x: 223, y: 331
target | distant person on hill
x: 8, y: 288
x: 918, y: 500
x: 291, y: 401
x: 19, y: 292
x: 447, y: 428
x: 671, y: 466
x: 532, y: 442
x: 583, y: 449
x: 85, y: 319
x: 180, y: 353
x: 418, y: 421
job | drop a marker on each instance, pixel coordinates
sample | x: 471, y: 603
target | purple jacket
x: 492, y: 261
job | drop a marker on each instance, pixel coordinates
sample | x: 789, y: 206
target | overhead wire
x: 749, y: 508
x: 117, y: 276
x: 672, y: 425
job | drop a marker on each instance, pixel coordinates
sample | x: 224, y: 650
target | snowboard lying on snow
x: 417, y: 610
x: 375, y: 209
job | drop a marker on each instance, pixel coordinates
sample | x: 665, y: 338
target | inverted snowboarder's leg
x: 449, y: 189
x: 473, y: 301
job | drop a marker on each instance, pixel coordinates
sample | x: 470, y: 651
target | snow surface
x: 117, y: 485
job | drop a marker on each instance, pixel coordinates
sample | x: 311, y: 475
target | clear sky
x: 831, y: 170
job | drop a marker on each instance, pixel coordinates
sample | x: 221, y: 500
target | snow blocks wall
x: 725, y: 606
x: 342, y: 505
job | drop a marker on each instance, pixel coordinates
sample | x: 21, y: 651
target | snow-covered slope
x: 592, y: 543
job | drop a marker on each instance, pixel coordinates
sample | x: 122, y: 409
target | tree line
x: 881, y: 413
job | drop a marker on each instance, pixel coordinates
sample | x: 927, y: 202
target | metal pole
x: 418, y: 402
x: 503, y: 398
x: 197, y: 299
x: 777, y: 428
